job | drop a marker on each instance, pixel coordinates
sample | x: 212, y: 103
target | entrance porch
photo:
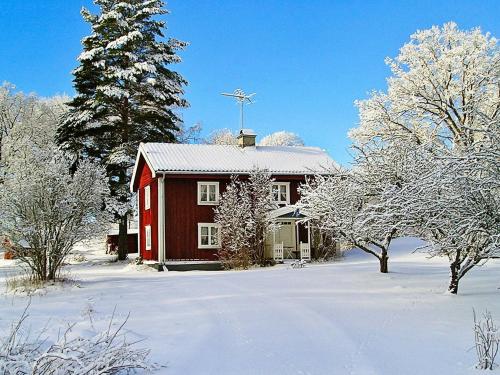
x: 293, y: 238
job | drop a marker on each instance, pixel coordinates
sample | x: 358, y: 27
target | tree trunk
x: 454, y: 278
x: 122, y: 238
x: 384, y: 259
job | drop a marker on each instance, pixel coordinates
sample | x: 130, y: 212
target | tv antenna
x: 242, y: 99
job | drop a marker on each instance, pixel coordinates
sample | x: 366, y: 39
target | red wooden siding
x: 182, y: 213
x: 148, y: 217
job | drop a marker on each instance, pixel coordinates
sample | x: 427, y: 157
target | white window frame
x: 208, y: 225
x: 279, y: 184
x: 208, y: 183
x: 147, y: 236
x: 147, y: 197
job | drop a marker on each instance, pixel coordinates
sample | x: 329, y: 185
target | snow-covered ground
x: 335, y: 318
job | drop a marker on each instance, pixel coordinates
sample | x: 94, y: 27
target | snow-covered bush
x: 243, y: 219
x: 281, y: 138
x: 487, y: 340
x: 100, y: 352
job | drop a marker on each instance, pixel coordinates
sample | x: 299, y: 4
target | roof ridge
x: 233, y: 146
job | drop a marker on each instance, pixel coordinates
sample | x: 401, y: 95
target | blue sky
x: 306, y: 60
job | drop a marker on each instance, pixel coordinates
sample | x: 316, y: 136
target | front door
x: 286, y: 234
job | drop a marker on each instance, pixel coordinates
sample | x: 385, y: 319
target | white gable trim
x: 140, y: 152
x: 161, y: 219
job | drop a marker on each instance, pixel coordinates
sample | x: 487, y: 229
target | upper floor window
x: 281, y: 192
x: 208, y: 236
x: 147, y: 197
x: 208, y: 192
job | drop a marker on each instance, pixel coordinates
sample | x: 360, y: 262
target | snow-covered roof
x: 289, y: 211
x: 248, y: 132
x: 230, y: 159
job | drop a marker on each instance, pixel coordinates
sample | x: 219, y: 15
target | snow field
x: 332, y: 318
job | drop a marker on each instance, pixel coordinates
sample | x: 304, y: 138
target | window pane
x: 204, y: 240
x: 211, y: 193
x: 275, y: 191
x: 204, y: 231
x: 148, y: 237
x: 203, y: 193
x: 214, y: 238
x: 283, y: 193
x: 147, y: 199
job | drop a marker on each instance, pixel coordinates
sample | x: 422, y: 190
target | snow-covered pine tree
x: 126, y: 93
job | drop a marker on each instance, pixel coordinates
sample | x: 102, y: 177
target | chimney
x: 246, y: 138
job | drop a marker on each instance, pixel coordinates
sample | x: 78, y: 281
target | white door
x: 286, y: 234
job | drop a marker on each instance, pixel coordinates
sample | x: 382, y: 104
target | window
x: 148, y: 237
x: 208, y: 193
x: 281, y: 192
x: 147, y: 198
x: 208, y: 236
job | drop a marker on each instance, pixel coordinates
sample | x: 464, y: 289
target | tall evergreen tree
x: 126, y: 94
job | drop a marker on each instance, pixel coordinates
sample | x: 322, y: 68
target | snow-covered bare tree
x: 234, y: 218
x: 49, y: 208
x: 442, y: 103
x: 339, y: 204
x: 16, y: 109
x: 43, y: 204
x: 453, y: 202
x: 188, y: 134
x: 126, y: 94
x: 260, y: 194
x: 221, y: 137
x: 281, y: 138
x: 441, y: 80
x: 243, y: 233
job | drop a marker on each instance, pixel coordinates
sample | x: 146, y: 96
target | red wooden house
x: 178, y: 186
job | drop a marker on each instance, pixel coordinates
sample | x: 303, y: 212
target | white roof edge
x: 140, y: 152
x: 294, y: 173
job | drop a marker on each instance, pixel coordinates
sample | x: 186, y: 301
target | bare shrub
x: 487, y: 339
x: 23, y: 283
x: 106, y: 352
x: 235, y: 260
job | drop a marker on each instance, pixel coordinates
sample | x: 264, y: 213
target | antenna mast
x: 242, y: 99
